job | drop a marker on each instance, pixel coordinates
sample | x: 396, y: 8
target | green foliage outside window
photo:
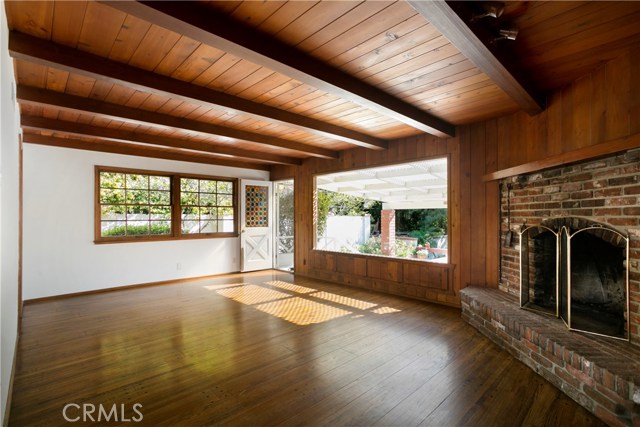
x: 330, y: 202
x: 137, y: 204
x: 134, y: 204
x: 426, y: 225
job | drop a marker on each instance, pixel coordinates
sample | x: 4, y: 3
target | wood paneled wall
x: 600, y: 107
x: 596, y: 110
x: 368, y: 271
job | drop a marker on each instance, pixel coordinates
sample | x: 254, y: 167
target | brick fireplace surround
x: 602, y: 374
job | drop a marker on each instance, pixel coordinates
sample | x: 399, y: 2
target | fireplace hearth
x: 589, y: 201
x: 599, y: 373
x: 576, y: 269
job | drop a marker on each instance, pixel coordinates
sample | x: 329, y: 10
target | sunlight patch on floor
x: 355, y: 303
x: 291, y: 287
x: 301, y: 311
x: 298, y: 304
x: 252, y: 294
x: 385, y: 310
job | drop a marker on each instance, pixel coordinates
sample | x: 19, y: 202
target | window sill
x: 147, y: 239
x: 434, y: 262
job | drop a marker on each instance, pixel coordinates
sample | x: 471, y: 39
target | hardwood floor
x: 270, y: 349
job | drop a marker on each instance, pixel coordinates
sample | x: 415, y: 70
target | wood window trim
x: 176, y: 233
x: 330, y: 170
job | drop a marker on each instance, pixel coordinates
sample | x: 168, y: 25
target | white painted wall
x: 345, y: 231
x: 9, y: 214
x: 59, y: 256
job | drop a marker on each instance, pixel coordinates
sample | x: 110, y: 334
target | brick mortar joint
x: 478, y: 309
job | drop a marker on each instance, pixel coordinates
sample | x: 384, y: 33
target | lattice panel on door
x: 257, y: 248
x: 256, y: 206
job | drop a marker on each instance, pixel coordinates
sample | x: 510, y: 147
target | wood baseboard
x: 123, y: 287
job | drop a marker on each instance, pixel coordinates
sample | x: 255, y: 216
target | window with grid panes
x: 207, y: 206
x: 134, y: 205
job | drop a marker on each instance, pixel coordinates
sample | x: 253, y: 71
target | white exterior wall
x: 59, y: 254
x: 345, y: 231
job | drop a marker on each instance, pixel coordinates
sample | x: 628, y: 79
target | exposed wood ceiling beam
x: 138, y: 150
x: 447, y: 21
x: 33, y: 49
x: 118, y: 135
x: 63, y: 101
x: 214, y: 29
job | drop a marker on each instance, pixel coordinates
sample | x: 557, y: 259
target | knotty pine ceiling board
x: 358, y: 34
x: 277, y: 90
x: 434, y: 79
x: 129, y: 39
x: 284, y: 15
x: 208, y: 66
x: 153, y: 48
x: 528, y: 13
x: 469, y: 96
x: 123, y: 95
x: 30, y: 74
x: 385, y: 43
x: 179, y: 53
x: 50, y: 113
x: 100, y: 28
x: 435, y: 57
x: 360, y: 49
x: 396, y: 52
x: 144, y: 150
x: 337, y: 28
x: 172, y: 133
x: 457, y: 84
x: 237, y: 73
x: 413, y: 32
x: 68, y: 18
x: 560, y: 41
x: 33, y: 17
x: 204, y: 66
x: 101, y: 89
x: 139, y: 98
x: 383, y: 71
x: 106, y: 122
x: 57, y: 80
x: 417, y: 56
x: 255, y: 76
x: 254, y: 13
x: 610, y: 34
x: 313, y: 20
x: 559, y: 26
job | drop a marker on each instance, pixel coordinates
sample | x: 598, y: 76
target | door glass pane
x: 256, y: 206
x: 284, y: 224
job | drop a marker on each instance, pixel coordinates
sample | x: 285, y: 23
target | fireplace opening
x: 598, y: 295
x: 540, y: 270
x: 576, y: 270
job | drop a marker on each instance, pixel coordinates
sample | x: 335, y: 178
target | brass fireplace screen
x: 577, y: 270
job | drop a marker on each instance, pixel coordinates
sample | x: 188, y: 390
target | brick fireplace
x: 602, y: 374
x: 605, y: 191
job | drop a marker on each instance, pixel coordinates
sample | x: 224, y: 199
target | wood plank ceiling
x: 252, y: 84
